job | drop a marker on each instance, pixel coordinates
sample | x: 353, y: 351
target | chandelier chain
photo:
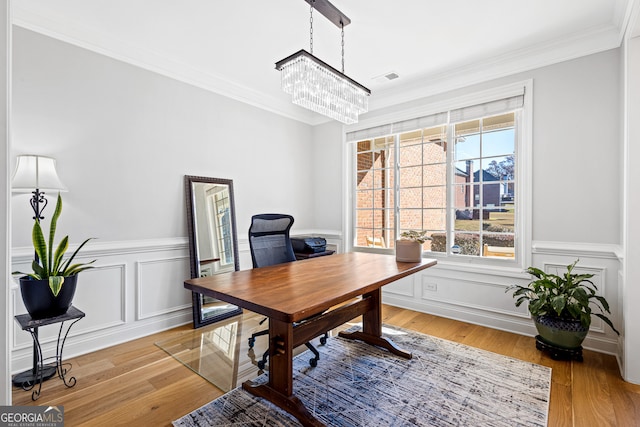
x: 342, y: 26
x: 311, y: 27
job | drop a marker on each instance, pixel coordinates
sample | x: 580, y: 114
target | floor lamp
x: 37, y: 175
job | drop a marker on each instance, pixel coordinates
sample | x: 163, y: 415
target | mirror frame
x: 196, y: 303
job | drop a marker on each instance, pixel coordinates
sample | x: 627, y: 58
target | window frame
x: 523, y: 184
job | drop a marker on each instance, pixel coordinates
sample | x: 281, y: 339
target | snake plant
x: 51, y: 265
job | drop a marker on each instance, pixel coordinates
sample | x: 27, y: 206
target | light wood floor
x: 138, y: 384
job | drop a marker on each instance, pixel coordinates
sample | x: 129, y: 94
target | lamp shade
x: 36, y: 172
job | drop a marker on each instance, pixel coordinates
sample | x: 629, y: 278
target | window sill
x: 488, y: 266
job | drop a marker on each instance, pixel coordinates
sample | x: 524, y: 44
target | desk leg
x: 372, y: 327
x: 279, y: 389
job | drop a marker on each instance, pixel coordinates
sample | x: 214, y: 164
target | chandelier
x: 317, y: 86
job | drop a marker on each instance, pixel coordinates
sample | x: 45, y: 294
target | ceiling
x: 230, y: 46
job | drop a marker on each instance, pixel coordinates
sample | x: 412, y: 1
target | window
x: 455, y: 177
x: 422, y: 173
x: 223, y: 226
x: 484, y: 186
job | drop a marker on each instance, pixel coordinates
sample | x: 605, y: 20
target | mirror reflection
x: 212, y: 352
x: 220, y: 353
x: 213, y: 242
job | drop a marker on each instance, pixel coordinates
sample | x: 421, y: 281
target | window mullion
x: 396, y: 186
x: 481, y: 189
x: 450, y: 179
x: 422, y: 183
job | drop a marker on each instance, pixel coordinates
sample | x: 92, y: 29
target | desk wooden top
x: 297, y: 290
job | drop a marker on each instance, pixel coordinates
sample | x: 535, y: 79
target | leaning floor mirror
x: 213, y: 241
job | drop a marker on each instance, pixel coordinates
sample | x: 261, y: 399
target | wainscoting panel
x: 619, y: 322
x: 598, y: 279
x: 403, y: 287
x: 244, y: 253
x: 136, y: 289
x: 474, y: 297
x: 478, y: 295
x: 469, y: 291
x: 604, y: 264
x: 160, y: 286
x: 99, y: 294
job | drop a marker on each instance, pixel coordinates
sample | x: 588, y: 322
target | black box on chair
x: 308, y: 244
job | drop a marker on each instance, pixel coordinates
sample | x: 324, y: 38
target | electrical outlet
x: 433, y: 287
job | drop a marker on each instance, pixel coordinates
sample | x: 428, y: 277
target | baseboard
x: 89, y: 342
x: 492, y: 320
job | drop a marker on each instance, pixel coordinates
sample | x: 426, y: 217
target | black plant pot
x: 39, y: 300
x: 562, y: 333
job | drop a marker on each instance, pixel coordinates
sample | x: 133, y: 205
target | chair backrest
x: 269, y: 239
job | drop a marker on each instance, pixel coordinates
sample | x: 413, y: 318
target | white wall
x: 5, y: 321
x: 327, y: 175
x: 576, y: 150
x: 631, y: 283
x: 124, y: 138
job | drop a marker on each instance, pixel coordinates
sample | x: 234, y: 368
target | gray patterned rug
x: 445, y: 384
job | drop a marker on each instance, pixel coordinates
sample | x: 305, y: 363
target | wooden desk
x: 291, y: 292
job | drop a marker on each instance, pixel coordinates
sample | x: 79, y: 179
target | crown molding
x: 631, y: 22
x: 89, y: 39
x: 596, y: 40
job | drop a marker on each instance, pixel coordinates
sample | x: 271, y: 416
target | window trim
x: 524, y: 196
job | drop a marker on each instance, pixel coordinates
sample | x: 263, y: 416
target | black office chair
x: 270, y: 244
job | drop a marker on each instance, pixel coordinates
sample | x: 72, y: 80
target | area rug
x: 354, y: 384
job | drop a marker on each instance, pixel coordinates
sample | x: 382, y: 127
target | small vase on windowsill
x: 409, y: 247
x: 408, y: 251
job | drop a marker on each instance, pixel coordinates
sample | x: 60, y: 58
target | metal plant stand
x: 559, y: 353
x: 41, y: 372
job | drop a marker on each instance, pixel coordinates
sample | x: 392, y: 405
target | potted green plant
x: 48, y: 291
x: 561, y: 306
x: 409, y: 246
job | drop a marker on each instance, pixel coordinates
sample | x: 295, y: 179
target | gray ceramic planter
x: 561, y: 333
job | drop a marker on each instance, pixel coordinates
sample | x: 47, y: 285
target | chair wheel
x: 313, y: 362
x: 323, y: 340
x: 252, y: 341
x: 261, y: 364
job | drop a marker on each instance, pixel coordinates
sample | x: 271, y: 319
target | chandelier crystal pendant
x: 317, y: 86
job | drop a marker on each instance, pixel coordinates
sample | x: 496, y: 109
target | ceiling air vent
x: 386, y: 77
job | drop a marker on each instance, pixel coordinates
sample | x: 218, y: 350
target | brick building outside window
x: 457, y: 180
